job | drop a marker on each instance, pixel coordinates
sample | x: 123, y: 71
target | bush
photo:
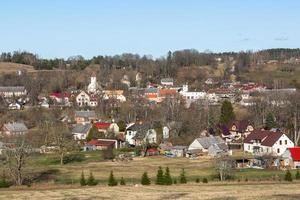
x: 197, y: 180
x: 70, y: 158
x: 145, y: 179
x: 91, y: 180
x: 82, y: 179
x: 182, y: 178
x: 112, y: 181
x: 159, y: 177
x: 167, y: 177
x: 122, y: 181
x: 175, y: 181
x: 4, y: 183
x: 288, y: 176
x: 204, y: 180
x: 297, y: 176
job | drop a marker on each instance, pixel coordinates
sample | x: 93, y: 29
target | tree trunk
x: 62, y: 158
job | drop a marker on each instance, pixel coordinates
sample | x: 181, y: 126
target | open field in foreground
x: 211, y: 191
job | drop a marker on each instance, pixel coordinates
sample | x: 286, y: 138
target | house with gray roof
x: 215, y: 143
x: 14, y: 128
x: 85, y: 116
x: 80, y: 131
x: 11, y: 91
x: 137, y: 134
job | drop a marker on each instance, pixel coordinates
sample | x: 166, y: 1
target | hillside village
x: 241, y: 122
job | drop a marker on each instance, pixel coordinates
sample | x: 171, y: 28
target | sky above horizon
x: 63, y: 28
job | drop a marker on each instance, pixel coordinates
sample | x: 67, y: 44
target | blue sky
x: 63, y: 28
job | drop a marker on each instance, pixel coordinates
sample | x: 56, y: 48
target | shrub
x: 159, y: 177
x: 82, y: 179
x: 175, y: 181
x: 145, y: 179
x: 70, y: 158
x: 297, y: 176
x: 204, y: 180
x: 246, y: 179
x: 182, y: 178
x: 197, y: 180
x: 111, y: 180
x: 122, y: 181
x: 288, y: 176
x: 167, y: 177
x: 3, y: 183
x: 91, y: 180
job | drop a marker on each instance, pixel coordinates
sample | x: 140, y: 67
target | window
x: 267, y: 150
x: 278, y: 150
x: 285, y: 142
x: 249, y: 147
x: 280, y: 142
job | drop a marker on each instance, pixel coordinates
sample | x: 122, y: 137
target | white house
x: 191, y: 97
x: 84, y: 99
x: 167, y: 81
x: 80, y: 131
x: 203, y: 143
x: 14, y: 106
x: 12, y: 91
x: 291, y: 158
x: 114, y: 94
x: 137, y: 134
x: 263, y: 142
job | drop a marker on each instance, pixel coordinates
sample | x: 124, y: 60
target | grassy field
x: 210, y: 191
x: 46, y: 169
x: 8, y: 68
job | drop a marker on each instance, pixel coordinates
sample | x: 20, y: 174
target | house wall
x: 196, y: 145
x: 129, y: 135
x: 277, y: 149
x: 166, y: 132
x: 151, y: 136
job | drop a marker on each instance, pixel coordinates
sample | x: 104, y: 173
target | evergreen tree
x: 160, y: 177
x: 145, y: 179
x: 297, y: 175
x: 167, y: 177
x: 288, y: 176
x: 270, y: 121
x: 122, y: 181
x: 182, y: 177
x: 197, y: 180
x: 227, y: 113
x: 91, y: 180
x: 3, y: 182
x: 175, y: 181
x: 112, y: 181
x: 204, y: 180
x: 82, y: 179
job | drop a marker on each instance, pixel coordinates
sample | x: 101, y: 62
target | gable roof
x: 16, y: 127
x: 102, y: 125
x: 267, y: 138
x: 81, y: 128
x: 241, y: 125
x: 295, y: 153
x: 87, y: 114
x: 206, y: 142
x: 12, y: 89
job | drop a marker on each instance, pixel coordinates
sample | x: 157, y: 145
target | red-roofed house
x: 262, y: 142
x: 291, y: 158
x: 100, y: 144
x: 105, y: 127
x: 60, y: 97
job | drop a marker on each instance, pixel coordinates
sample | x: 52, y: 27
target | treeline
x: 165, y: 64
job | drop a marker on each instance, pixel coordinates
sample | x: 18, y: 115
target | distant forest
x: 166, y: 64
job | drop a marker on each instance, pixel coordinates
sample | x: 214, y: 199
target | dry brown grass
x: 8, y: 68
x: 134, y: 169
x: 211, y: 191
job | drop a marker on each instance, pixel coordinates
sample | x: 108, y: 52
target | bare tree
x: 16, y: 158
x: 224, y: 167
x: 62, y: 138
